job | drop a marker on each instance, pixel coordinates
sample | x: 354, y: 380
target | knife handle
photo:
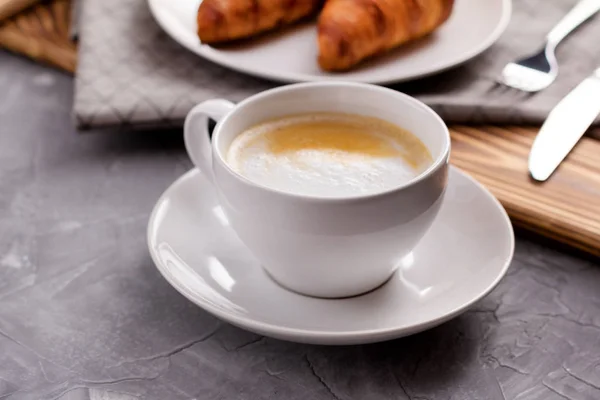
x: 577, y: 16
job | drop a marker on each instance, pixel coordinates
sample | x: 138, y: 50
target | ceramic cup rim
x: 439, y: 162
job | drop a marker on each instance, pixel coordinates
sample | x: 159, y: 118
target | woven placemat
x: 42, y: 33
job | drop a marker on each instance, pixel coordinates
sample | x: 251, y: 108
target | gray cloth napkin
x: 131, y: 73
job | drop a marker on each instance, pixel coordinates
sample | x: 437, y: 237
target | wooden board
x: 41, y: 32
x: 565, y: 208
x: 8, y: 8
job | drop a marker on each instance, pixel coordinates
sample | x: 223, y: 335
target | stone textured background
x: 84, y: 314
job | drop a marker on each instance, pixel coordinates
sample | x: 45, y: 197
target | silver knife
x: 565, y: 125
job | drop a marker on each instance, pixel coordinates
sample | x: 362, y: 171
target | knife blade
x: 565, y: 125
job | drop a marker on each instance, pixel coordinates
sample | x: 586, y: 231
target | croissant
x: 226, y: 20
x: 350, y: 31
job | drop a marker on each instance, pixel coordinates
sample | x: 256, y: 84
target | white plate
x: 290, y: 55
x: 460, y: 260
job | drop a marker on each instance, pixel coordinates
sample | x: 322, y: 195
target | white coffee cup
x: 320, y: 246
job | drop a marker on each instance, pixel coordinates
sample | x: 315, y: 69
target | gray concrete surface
x: 85, y: 315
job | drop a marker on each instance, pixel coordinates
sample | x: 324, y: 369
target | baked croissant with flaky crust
x: 350, y: 31
x: 226, y: 20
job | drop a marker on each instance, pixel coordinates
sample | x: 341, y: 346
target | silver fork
x: 538, y: 71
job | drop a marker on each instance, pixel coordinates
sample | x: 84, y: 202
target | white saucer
x: 460, y: 260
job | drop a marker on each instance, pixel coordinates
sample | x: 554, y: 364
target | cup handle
x: 195, y: 132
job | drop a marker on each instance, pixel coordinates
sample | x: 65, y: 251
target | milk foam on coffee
x: 328, y: 154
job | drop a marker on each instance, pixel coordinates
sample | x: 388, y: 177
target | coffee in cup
x: 328, y: 154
